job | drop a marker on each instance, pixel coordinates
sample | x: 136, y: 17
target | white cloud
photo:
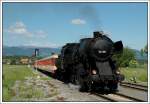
x: 19, y: 28
x: 20, y: 24
x: 52, y: 45
x: 41, y: 34
x: 78, y: 21
x: 42, y: 44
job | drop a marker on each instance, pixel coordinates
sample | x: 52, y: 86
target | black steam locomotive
x: 89, y: 63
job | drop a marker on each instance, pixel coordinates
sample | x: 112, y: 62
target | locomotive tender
x: 89, y: 63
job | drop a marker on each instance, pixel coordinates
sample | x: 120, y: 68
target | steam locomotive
x: 89, y: 63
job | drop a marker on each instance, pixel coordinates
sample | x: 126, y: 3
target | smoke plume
x: 91, y: 15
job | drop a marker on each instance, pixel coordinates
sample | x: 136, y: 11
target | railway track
x: 134, y: 86
x: 118, y: 97
x: 114, y: 97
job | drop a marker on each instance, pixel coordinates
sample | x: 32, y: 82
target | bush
x: 133, y: 63
x: 123, y: 59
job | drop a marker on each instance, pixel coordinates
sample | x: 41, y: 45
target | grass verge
x: 12, y: 73
x: 140, y: 74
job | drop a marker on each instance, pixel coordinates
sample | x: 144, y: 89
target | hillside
x: 46, y: 51
x: 28, y: 51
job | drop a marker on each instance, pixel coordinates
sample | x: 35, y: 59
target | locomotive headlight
x: 94, y: 72
x: 117, y: 72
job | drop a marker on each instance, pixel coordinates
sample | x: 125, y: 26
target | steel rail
x: 129, y: 97
x: 120, y: 95
x: 134, y: 86
x: 105, y: 97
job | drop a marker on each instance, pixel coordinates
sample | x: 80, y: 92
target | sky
x: 55, y: 24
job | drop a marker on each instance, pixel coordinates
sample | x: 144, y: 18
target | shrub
x: 133, y: 63
x: 125, y: 57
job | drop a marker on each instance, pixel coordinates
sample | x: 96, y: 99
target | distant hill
x: 28, y: 51
x: 46, y: 51
x: 143, y: 57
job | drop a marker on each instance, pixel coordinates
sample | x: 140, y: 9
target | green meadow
x: 12, y: 73
x: 140, y: 73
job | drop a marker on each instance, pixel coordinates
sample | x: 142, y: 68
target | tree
x: 13, y: 62
x: 142, y: 52
x: 123, y: 59
x: 146, y: 49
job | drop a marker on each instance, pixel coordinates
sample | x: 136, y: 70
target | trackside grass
x: 12, y: 73
x: 140, y: 74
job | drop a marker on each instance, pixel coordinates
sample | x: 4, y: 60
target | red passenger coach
x: 47, y: 64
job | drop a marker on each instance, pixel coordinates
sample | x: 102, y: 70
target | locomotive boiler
x: 89, y: 63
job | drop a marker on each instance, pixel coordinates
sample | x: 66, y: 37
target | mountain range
x: 28, y: 51
x: 46, y: 51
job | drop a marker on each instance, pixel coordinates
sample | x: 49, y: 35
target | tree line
x: 124, y: 59
x: 128, y: 57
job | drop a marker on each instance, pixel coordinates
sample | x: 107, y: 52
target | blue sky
x: 55, y: 24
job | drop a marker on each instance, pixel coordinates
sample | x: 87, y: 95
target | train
x: 88, y: 63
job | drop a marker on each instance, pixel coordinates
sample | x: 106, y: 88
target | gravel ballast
x: 46, y: 89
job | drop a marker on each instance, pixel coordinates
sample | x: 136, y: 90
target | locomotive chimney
x: 97, y: 34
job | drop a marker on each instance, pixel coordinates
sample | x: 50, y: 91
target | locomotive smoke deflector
x: 118, y: 47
